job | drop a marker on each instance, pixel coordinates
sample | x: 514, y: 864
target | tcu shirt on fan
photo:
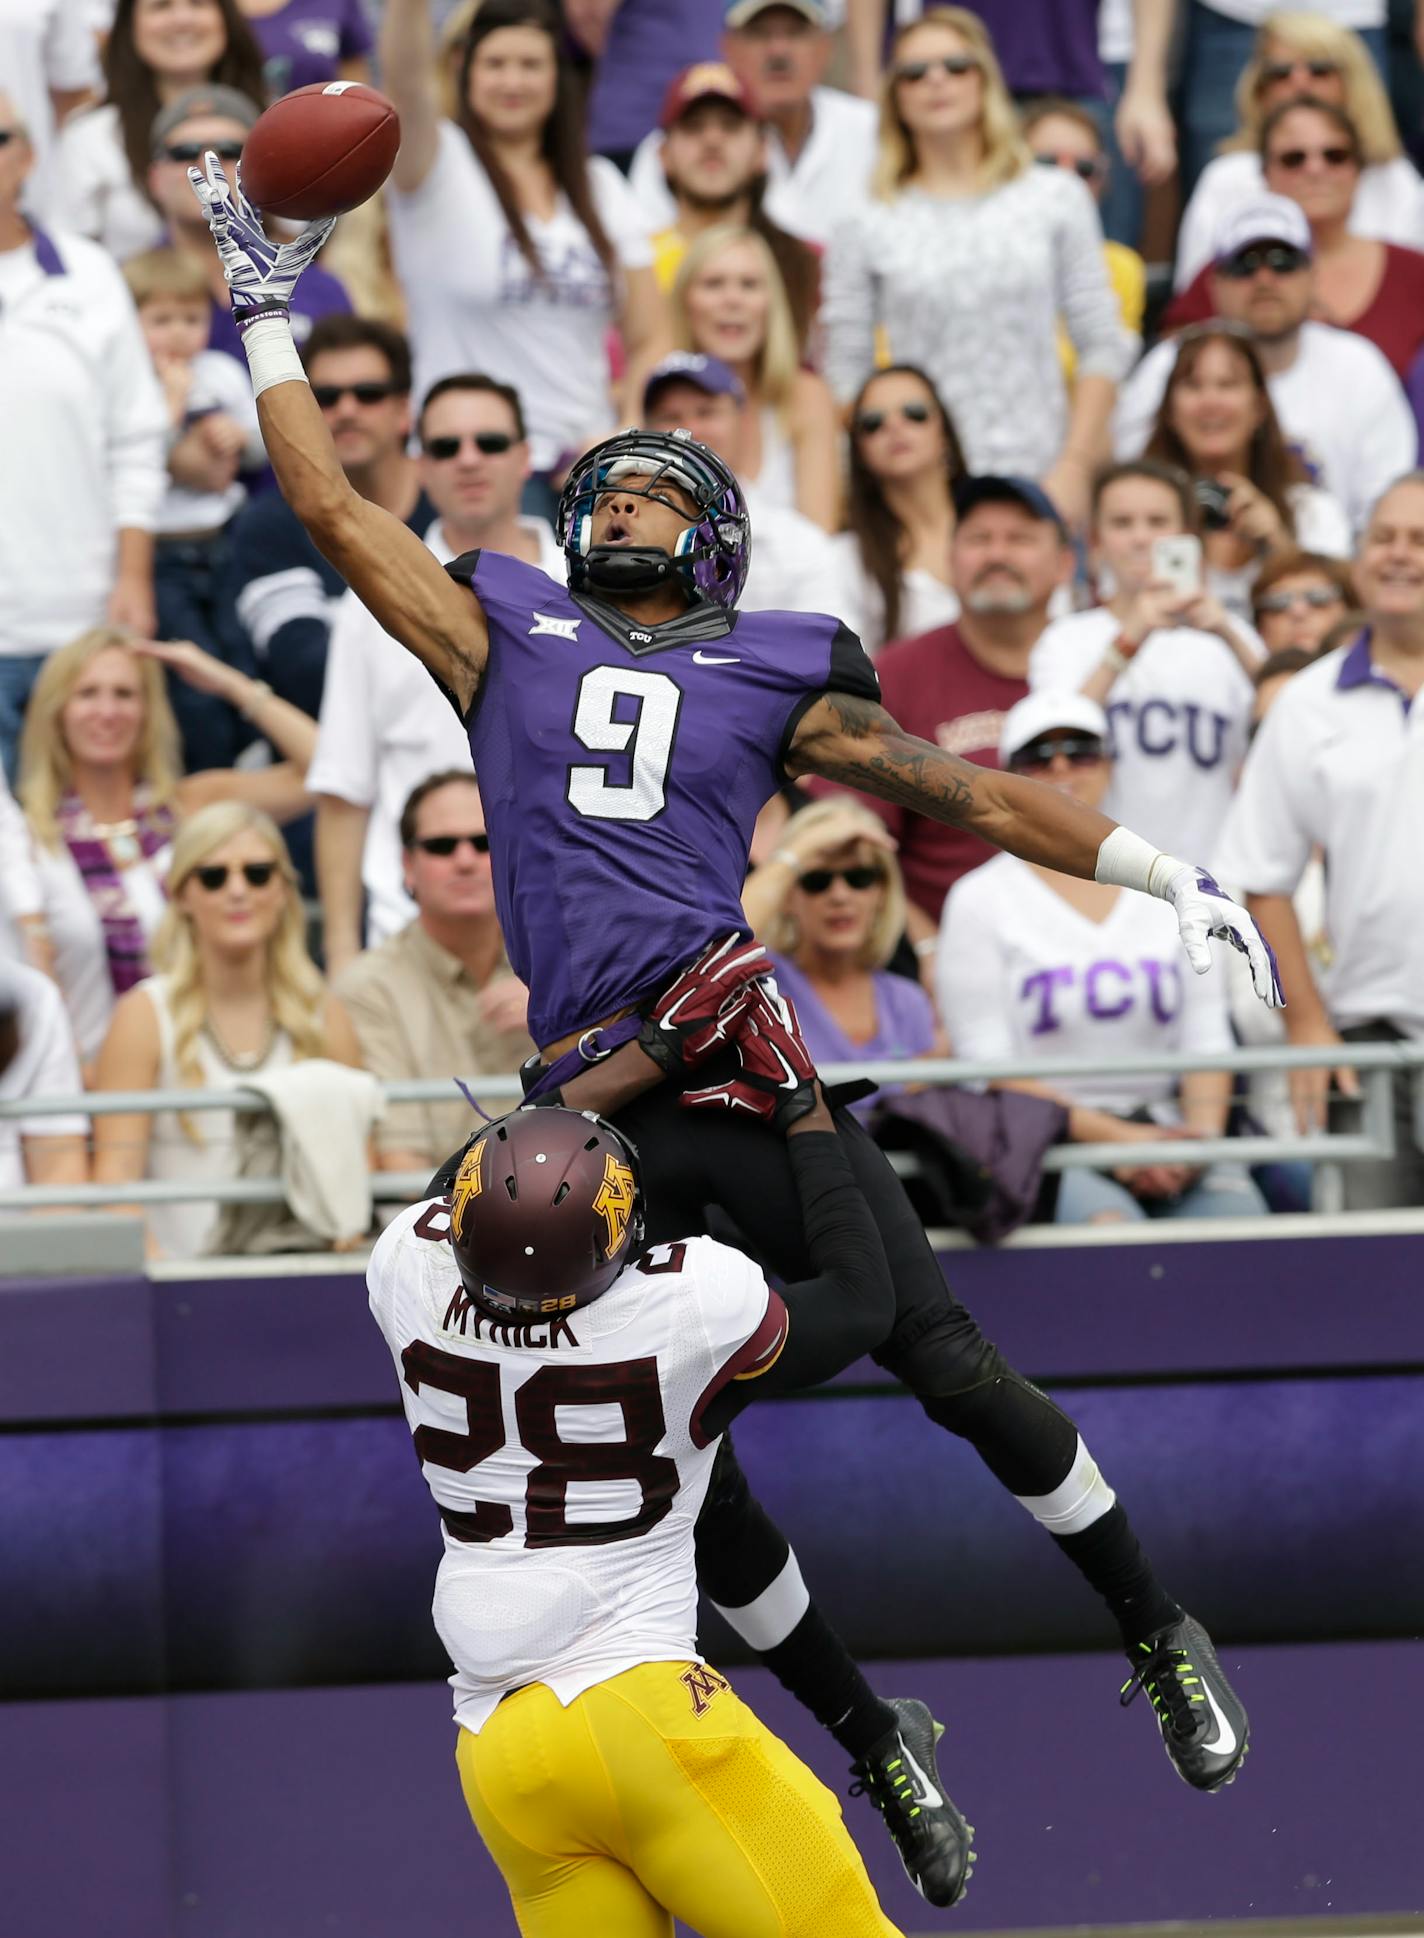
x: 622, y: 769
x: 566, y: 1455
x: 1179, y: 716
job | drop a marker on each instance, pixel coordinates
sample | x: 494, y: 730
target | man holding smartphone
x: 1171, y: 668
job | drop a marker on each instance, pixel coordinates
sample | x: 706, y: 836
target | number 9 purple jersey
x: 622, y: 770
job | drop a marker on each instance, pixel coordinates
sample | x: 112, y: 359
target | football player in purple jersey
x: 626, y: 729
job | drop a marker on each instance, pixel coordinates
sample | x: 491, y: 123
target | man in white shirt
x: 1338, y: 400
x: 82, y: 456
x: 37, y: 1059
x: 384, y: 724
x: 820, y: 141
x: 1339, y: 765
x: 793, y: 562
x: 49, y: 60
x: 1170, y: 667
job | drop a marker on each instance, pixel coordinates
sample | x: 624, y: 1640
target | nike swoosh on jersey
x: 715, y: 659
x: 927, y: 1796
x: 1225, y: 1743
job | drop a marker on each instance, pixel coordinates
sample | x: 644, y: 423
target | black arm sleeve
x: 842, y: 1312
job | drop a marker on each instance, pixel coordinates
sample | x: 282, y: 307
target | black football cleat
x: 1201, y: 1717
x: 900, y: 1776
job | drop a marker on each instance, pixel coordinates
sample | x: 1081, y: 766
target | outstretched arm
x: 855, y: 741
x: 387, y: 566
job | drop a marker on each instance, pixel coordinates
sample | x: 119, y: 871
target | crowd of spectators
x: 1070, y: 351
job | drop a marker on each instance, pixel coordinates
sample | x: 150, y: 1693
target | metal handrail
x: 928, y: 1071
x: 1377, y: 1062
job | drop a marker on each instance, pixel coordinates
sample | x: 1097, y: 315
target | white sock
x: 1078, y: 1501
x: 768, y: 1620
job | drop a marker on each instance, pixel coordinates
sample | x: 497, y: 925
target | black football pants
x: 695, y: 1159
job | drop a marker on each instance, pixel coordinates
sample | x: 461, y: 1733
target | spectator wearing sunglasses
x: 281, y: 589
x: 1035, y: 964
x: 894, y: 574
x: 219, y: 120
x: 966, y: 259
x: 1302, y: 52
x: 103, y: 791
x: 1310, y: 153
x: 1064, y: 135
x: 384, y: 724
x: 154, y: 53
x: 439, y: 999
x: 1298, y: 600
x: 1339, y: 403
x: 829, y: 904
x: 235, y: 996
x: 1171, y: 668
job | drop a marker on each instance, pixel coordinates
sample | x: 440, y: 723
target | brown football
x: 320, y: 150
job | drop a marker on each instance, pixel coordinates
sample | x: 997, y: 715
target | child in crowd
x: 213, y: 439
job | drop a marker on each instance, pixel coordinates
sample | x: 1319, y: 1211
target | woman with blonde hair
x: 729, y: 302
x: 965, y: 257
x: 1299, y: 53
x: 829, y: 904
x: 236, y: 995
x: 102, y: 794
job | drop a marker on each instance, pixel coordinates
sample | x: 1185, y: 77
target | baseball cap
x: 739, y: 12
x: 705, y: 373
x: 1043, y: 712
x: 704, y: 81
x: 225, y: 103
x: 991, y: 489
x: 1269, y: 218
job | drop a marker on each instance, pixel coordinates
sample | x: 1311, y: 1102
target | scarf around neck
x: 102, y: 859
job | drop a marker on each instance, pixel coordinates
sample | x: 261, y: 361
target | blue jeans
x: 1121, y: 207
x: 1221, y: 1191
x: 18, y: 673
x: 1216, y: 51
x: 189, y: 591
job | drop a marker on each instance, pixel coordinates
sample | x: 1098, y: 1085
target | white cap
x: 1266, y: 218
x: 1041, y: 713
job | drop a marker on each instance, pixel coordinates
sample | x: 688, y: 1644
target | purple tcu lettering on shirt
x: 1164, y: 981
x: 1043, y: 982
x: 1204, y: 736
x: 1102, y: 1005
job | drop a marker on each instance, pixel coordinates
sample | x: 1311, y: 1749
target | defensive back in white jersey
x: 567, y: 1455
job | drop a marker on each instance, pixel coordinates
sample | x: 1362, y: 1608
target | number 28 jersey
x: 567, y: 1455
x: 622, y: 770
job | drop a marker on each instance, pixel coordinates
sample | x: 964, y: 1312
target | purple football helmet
x: 711, y: 556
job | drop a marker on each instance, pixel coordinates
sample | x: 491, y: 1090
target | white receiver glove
x: 260, y: 273
x: 1204, y: 909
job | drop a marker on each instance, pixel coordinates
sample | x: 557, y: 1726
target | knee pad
x: 1025, y: 1441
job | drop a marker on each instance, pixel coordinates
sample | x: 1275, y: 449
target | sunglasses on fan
x: 871, y: 421
x: 194, y: 151
x: 328, y: 396
x: 1079, y: 750
x: 1279, y: 258
x: 956, y: 64
x: 1274, y: 72
x: 1316, y: 597
x: 444, y: 845
x: 492, y: 444
x: 1292, y: 160
x: 816, y: 881
x: 1086, y: 168
x: 214, y: 875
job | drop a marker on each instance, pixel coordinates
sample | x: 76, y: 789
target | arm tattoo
x: 870, y: 750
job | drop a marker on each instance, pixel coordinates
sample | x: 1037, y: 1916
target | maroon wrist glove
x: 775, y: 1079
x: 696, y: 1014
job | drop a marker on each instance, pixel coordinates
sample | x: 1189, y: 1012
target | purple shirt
x: 622, y: 771
x: 317, y: 294
x: 308, y: 40
x: 904, y: 1023
x: 1046, y: 46
x: 648, y: 42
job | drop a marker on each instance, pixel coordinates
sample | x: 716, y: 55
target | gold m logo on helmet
x: 469, y: 1182
x: 614, y: 1199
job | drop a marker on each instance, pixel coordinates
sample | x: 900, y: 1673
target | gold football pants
x: 659, y: 1794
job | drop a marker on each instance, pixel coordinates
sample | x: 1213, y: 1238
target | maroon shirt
x: 936, y: 688
x: 1393, y: 319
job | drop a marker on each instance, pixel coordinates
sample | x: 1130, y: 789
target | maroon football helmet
x: 546, y: 1209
